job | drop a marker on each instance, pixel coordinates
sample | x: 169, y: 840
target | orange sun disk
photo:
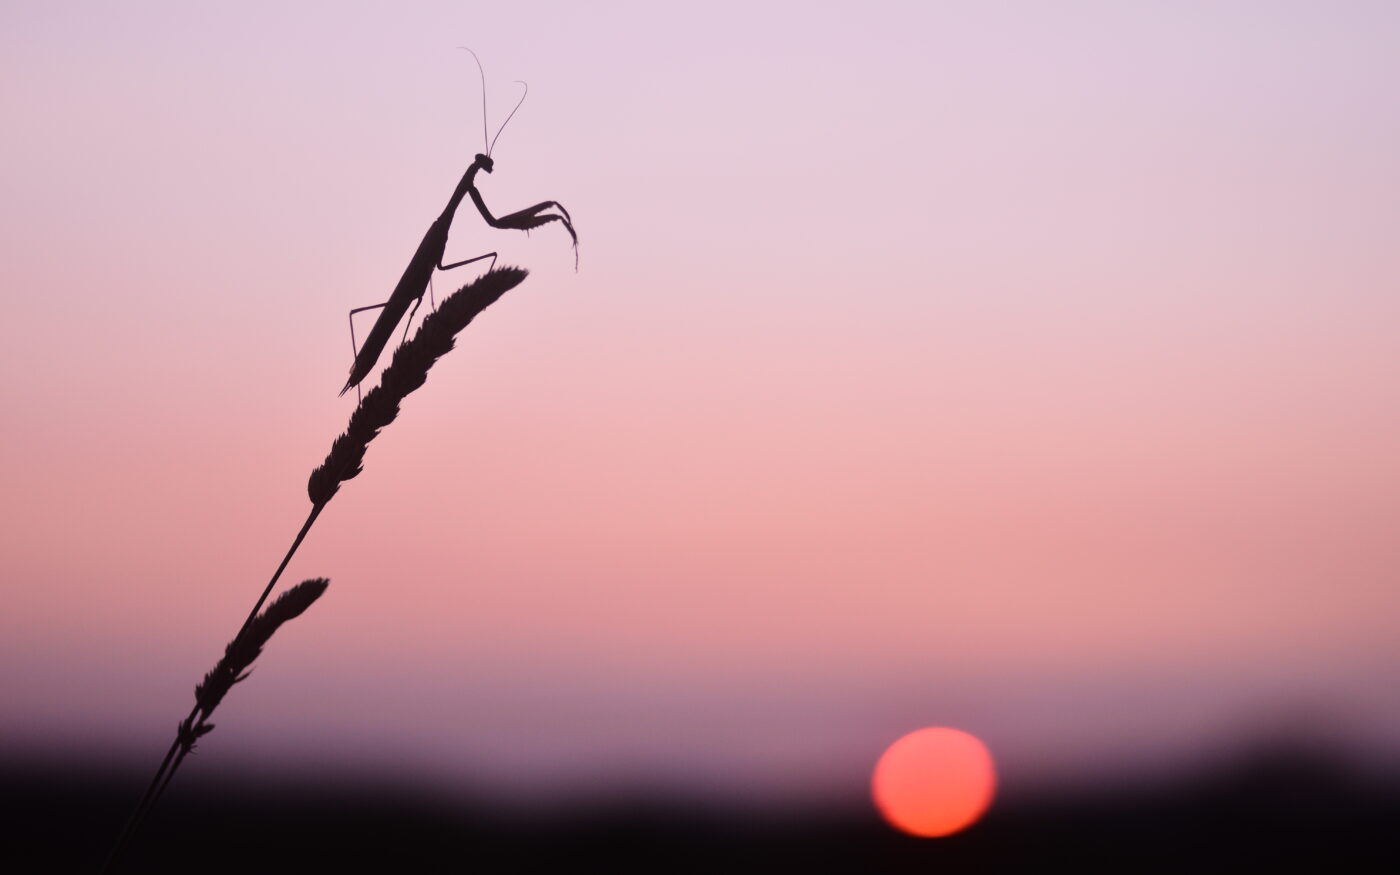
x: 934, y: 782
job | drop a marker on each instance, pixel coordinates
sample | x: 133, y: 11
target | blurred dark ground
x: 1281, y: 807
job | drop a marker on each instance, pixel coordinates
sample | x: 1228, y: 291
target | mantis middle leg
x: 441, y: 266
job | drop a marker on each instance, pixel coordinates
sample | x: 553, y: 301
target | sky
x: 1022, y: 368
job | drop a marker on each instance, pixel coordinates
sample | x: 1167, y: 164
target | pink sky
x: 1029, y: 371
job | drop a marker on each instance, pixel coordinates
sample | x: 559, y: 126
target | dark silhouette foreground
x: 1286, y: 812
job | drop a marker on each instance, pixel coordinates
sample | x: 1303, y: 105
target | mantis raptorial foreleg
x: 529, y: 218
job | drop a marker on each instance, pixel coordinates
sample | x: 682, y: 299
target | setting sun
x: 934, y: 782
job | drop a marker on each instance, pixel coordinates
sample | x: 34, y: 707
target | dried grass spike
x: 245, y: 648
x: 408, y: 370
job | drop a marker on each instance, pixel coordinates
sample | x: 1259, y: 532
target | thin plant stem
x: 176, y: 754
x: 378, y: 408
x: 267, y: 591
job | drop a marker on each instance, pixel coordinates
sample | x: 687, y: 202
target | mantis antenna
x: 509, y: 117
x: 482, y: 71
x: 492, y: 144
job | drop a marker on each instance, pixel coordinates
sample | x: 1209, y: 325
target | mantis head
x: 485, y: 163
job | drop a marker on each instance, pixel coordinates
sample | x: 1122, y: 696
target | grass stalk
x: 408, y: 371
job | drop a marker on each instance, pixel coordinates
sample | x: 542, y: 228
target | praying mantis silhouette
x: 417, y: 277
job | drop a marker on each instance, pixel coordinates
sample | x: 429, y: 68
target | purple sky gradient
x: 1023, y: 369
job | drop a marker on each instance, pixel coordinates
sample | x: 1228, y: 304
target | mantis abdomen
x: 412, y: 285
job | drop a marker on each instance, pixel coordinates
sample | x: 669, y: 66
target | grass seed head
x: 408, y: 370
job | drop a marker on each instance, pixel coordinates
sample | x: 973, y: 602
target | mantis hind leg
x: 354, y: 346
